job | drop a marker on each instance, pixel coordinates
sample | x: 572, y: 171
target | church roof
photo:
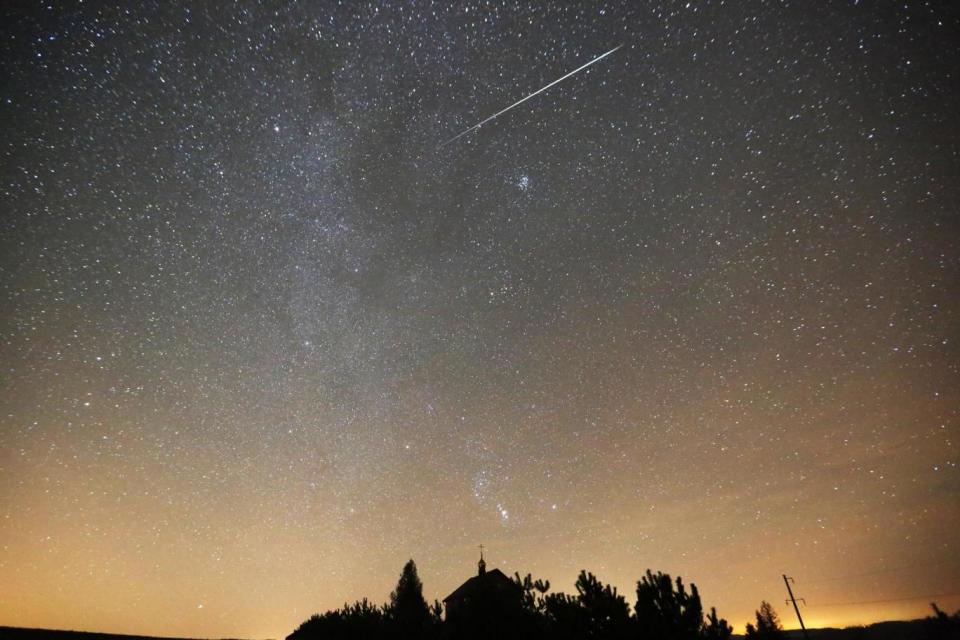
x: 493, y: 580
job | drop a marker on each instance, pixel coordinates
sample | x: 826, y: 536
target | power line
x: 849, y: 604
x: 904, y: 568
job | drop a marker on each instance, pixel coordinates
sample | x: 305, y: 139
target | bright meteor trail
x: 521, y: 101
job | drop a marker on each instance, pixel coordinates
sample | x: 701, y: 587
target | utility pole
x: 786, y: 581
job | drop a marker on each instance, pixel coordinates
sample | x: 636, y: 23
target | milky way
x: 693, y: 309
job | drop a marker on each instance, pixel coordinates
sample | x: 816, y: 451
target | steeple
x: 482, y: 565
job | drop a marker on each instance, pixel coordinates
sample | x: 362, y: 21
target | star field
x: 694, y: 309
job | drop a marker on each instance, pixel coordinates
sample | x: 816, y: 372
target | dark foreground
x: 17, y: 633
x: 895, y: 630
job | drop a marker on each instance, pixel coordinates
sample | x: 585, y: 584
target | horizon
x: 293, y: 292
x: 787, y: 617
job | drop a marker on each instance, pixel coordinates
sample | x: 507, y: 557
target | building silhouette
x: 484, y: 604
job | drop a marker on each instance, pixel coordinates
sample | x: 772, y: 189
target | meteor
x: 538, y: 91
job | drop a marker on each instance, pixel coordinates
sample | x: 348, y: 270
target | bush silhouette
x: 941, y: 626
x: 359, y: 620
x: 716, y: 628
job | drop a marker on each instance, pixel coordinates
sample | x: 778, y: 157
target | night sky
x: 262, y: 339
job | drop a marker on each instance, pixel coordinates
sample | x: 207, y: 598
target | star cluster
x: 263, y: 338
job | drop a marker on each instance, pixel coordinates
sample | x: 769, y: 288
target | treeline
x: 665, y: 609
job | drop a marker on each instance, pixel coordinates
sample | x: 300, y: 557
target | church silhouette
x: 484, y: 605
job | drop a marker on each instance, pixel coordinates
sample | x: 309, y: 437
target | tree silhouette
x: 533, y: 592
x: 407, y: 609
x: 665, y: 610
x: 564, y: 618
x: 941, y: 626
x: 716, y: 628
x: 768, y: 624
x: 532, y: 618
x: 597, y: 611
x: 607, y: 613
x: 665, y: 613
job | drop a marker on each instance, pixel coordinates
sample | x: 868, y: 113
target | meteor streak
x: 518, y: 102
